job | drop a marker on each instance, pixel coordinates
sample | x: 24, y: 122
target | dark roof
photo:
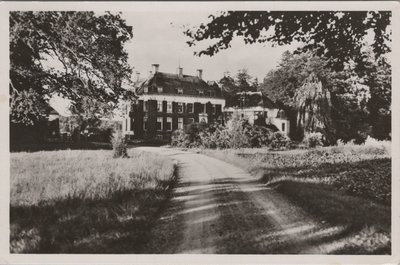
x: 252, y: 99
x: 191, y: 85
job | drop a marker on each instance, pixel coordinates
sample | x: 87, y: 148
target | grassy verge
x: 348, y: 186
x: 85, y: 201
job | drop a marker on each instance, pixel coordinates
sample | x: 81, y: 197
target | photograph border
x: 6, y: 257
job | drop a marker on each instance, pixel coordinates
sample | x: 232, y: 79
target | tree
x: 281, y: 83
x: 77, y: 55
x: 228, y: 88
x: 255, y: 85
x: 242, y: 80
x: 360, y: 105
x: 336, y: 35
x: 314, y: 108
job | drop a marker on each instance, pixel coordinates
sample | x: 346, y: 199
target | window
x: 159, y: 137
x: 283, y: 127
x: 201, y: 92
x: 145, y: 106
x: 180, y: 107
x: 180, y: 123
x: 180, y: 91
x: 144, y: 123
x: 159, y: 106
x: 190, y: 107
x: 169, y: 107
x: 169, y: 124
x: 159, y: 123
x: 212, y: 94
x: 190, y: 120
x: 146, y: 89
x: 214, y: 108
x: 160, y: 89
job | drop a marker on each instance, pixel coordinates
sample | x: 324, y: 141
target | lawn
x: 76, y: 201
x: 348, y: 186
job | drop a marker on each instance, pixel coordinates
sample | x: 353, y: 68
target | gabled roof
x: 253, y: 99
x: 191, y: 85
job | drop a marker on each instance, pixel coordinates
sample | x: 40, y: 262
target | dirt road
x: 219, y: 208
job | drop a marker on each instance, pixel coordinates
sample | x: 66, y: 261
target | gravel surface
x: 218, y: 208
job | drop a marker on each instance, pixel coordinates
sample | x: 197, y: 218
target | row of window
x: 168, y: 124
x: 179, y: 107
x: 179, y: 91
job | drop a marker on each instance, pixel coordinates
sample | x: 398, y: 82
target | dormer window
x: 180, y: 91
x: 160, y: 89
x: 169, y: 107
x: 189, y: 108
x: 180, y: 107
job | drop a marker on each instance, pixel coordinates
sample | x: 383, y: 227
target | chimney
x: 155, y: 67
x: 137, y: 76
x: 200, y: 73
x: 180, y: 71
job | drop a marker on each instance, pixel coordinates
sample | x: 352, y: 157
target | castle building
x: 168, y: 101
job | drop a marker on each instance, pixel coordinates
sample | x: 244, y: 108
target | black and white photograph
x: 199, y: 128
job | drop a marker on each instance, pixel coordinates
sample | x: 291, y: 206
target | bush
x: 279, y: 140
x: 237, y: 134
x: 313, y: 140
x: 259, y: 136
x: 119, y: 145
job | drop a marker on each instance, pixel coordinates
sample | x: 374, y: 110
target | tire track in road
x: 220, y: 208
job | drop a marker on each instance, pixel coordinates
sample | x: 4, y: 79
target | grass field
x: 85, y: 201
x: 347, y: 186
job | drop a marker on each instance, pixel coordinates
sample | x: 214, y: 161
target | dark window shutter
x: 174, y: 106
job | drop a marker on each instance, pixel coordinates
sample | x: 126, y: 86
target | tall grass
x: 85, y: 201
x: 363, y: 170
x: 42, y: 177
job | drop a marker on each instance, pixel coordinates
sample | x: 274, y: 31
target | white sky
x: 158, y: 38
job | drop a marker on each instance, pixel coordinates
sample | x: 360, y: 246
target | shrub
x: 237, y: 134
x: 279, y: 140
x: 259, y: 136
x: 313, y: 140
x: 119, y: 145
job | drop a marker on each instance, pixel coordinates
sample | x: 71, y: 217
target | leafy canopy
x: 360, y: 105
x: 338, y: 36
x: 76, y: 55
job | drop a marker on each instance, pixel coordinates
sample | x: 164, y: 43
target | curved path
x: 219, y: 208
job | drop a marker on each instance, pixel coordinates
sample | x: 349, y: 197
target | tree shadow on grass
x: 369, y: 179
x: 116, y: 224
x: 357, y: 198
x: 228, y: 221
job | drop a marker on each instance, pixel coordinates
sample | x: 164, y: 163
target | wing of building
x: 258, y: 109
x: 166, y: 102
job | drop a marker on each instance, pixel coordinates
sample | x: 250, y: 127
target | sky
x: 158, y: 39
